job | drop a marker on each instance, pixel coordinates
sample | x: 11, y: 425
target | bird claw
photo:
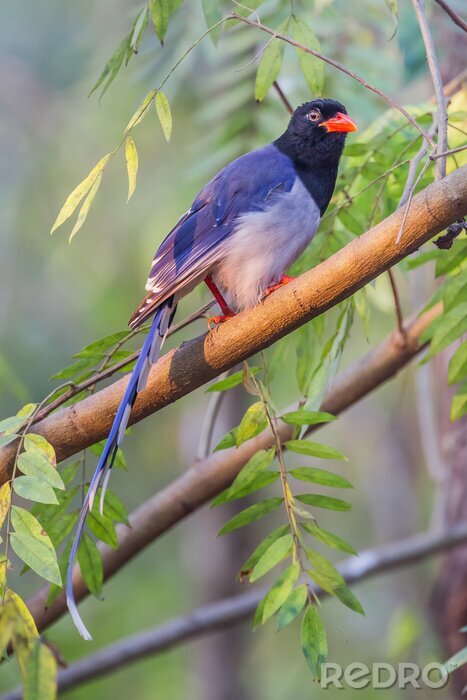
x: 214, y: 321
x: 285, y: 279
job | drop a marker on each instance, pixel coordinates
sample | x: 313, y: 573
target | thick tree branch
x: 206, y: 478
x: 231, y: 611
x: 191, y: 365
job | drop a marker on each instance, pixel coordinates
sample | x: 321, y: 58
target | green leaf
x: 90, y: 564
x: 11, y: 425
x: 232, y: 381
x: 270, y: 64
x: 311, y: 499
x: 213, y: 14
x: 328, y: 538
x: 114, y: 507
x: 247, y: 9
x: 61, y: 526
x: 68, y: 472
x: 141, y: 112
x: 40, y: 680
x: 332, y: 581
x: 253, y: 422
x: 320, y: 476
x: 79, y: 192
x: 63, y: 561
x: 312, y: 67
x: 35, y: 489
x: 457, y: 369
x: 453, y: 324
x: 394, y: 10
x: 22, y: 614
x: 357, y: 149
x: 164, y: 114
x: 303, y: 417
x: 5, y: 502
x: 314, y: 449
x: 112, y: 66
x: 102, y: 526
x: 250, y: 514
x: 160, y: 14
x: 455, y: 290
x: 38, y: 444
x: 139, y: 26
x: 6, y: 439
x: 84, y: 211
x: 37, y: 552
x: 258, y: 482
x: 313, y: 640
x: 451, y: 259
x: 280, y: 591
x: 38, y: 465
x: 119, y: 462
x: 459, y: 402
x: 251, y: 562
x: 255, y: 465
x: 131, y: 157
x: 278, y: 551
x: 292, y: 607
x: 229, y: 440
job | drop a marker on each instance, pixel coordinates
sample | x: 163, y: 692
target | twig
x: 283, y: 97
x: 335, y: 64
x: 457, y: 19
x: 451, y: 151
x: 433, y: 65
x: 236, y: 609
x: 76, y: 389
x: 397, y: 304
x: 205, y: 479
x: 212, y: 413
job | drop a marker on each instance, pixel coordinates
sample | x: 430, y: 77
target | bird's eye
x: 314, y: 115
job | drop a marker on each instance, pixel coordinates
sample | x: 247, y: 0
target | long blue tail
x: 149, y: 355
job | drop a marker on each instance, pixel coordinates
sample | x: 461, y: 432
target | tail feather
x: 138, y: 380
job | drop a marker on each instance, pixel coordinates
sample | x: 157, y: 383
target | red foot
x: 216, y: 320
x: 226, y: 310
x: 285, y: 279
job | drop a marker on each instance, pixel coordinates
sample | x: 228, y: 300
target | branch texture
x: 194, y: 363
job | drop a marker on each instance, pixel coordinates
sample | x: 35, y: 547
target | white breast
x: 264, y: 245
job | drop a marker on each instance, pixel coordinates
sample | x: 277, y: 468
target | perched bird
x: 242, y: 232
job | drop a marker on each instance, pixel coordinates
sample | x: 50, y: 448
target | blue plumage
x: 242, y: 232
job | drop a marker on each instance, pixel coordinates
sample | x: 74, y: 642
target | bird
x: 242, y: 232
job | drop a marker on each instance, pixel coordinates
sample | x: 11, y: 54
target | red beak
x: 341, y: 122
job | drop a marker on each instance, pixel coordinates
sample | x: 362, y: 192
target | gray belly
x: 264, y: 245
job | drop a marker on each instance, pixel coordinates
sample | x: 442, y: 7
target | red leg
x: 285, y: 279
x: 226, y: 310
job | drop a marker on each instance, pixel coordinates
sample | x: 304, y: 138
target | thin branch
x: 206, y: 478
x: 457, y: 19
x: 231, y: 611
x: 209, y: 423
x: 182, y: 370
x: 76, y: 389
x: 335, y: 64
x: 397, y: 303
x: 283, y: 97
x: 433, y: 65
x: 451, y: 151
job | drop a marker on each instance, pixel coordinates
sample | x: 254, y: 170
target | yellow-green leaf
x: 253, y: 422
x: 272, y: 556
x: 249, y: 515
x: 34, y: 489
x: 37, y: 464
x: 280, y: 591
x: 5, y: 500
x: 164, y: 114
x: 90, y: 564
x: 40, y: 679
x: 38, y: 443
x: 292, y: 606
x: 28, y: 626
x: 131, y: 157
x: 79, y: 192
x: 84, y: 211
x: 141, y: 112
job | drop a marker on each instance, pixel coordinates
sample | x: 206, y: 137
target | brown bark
x: 194, y: 363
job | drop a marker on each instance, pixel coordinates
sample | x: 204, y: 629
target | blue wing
x: 196, y: 242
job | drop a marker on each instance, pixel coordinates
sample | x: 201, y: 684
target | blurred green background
x: 56, y: 298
